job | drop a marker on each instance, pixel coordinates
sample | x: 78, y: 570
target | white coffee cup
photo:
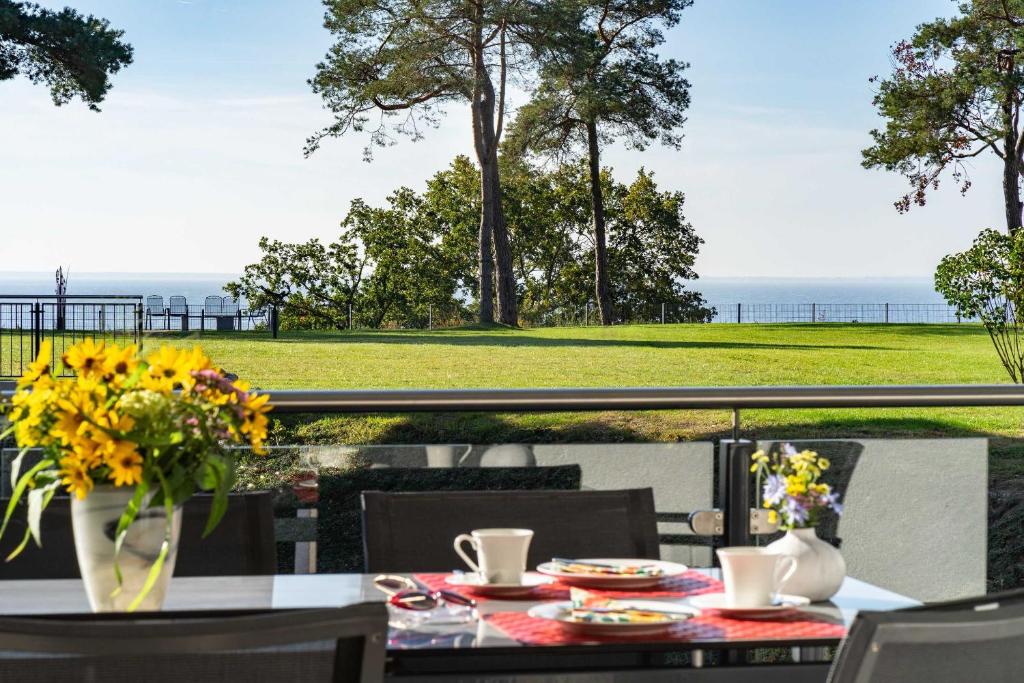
x: 752, y: 576
x: 500, y: 553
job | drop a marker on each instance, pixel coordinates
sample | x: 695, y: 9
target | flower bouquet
x: 796, y: 497
x: 146, y: 433
x: 793, y: 492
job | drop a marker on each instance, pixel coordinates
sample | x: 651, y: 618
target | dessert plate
x: 663, y: 616
x: 614, y: 581
x: 716, y: 602
x: 471, y: 582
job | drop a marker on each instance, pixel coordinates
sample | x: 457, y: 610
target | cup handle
x: 459, y: 540
x: 784, y: 569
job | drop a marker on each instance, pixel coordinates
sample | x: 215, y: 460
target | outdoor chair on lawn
x: 178, y: 305
x: 154, y: 307
x: 214, y: 305
x: 242, y: 544
x: 978, y: 639
x: 337, y: 645
x: 413, y: 532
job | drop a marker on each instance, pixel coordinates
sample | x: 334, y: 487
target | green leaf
x: 21, y: 546
x: 16, y: 465
x: 19, y: 490
x: 131, y: 511
x: 158, y: 565
x: 222, y: 486
x: 38, y: 499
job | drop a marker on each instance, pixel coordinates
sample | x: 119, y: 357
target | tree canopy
x: 601, y: 79
x: 955, y: 94
x: 986, y: 282
x: 74, y: 55
x: 414, y: 258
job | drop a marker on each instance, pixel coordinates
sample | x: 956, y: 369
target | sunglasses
x: 403, y: 592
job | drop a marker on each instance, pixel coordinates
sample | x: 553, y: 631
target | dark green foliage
x: 987, y: 282
x: 417, y: 256
x: 72, y: 54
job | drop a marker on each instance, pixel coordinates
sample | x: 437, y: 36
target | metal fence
x: 199, y: 318
x: 26, y: 321
x: 837, y: 313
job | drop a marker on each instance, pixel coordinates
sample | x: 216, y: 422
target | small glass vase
x: 820, y: 567
x: 94, y: 520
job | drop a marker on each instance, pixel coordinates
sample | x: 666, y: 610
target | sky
x: 198, y: 150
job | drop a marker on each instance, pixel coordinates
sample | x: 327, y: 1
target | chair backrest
x: 178, y: 304
x: 242, y: 544
x: 414, y: 531
x: 213, y: 304
x: 979, y: 639
x: 155, y: 304
x: 340, y: 645
x: 340, y: 546
x: 229, y: 305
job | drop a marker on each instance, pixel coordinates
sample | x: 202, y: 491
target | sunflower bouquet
x: 792, y: 490
x: 163, y: 424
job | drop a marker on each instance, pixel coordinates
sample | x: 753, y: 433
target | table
x: 476, y: 651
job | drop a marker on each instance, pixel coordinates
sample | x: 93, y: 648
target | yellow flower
x: 120, y: 363
x: 75, y: 476
x: 169, y: 368
x: 773, y: 516
x: 85, y: 358
x: 124, y: 462
x: 795, y: 485
x: 39, y: 369
x: 823, y: 464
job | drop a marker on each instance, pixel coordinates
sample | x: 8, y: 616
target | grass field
x: 642, y: 355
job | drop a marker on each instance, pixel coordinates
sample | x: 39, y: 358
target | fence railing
x: 198, y: 318
x: 734, y: 480
x: 27, y: 320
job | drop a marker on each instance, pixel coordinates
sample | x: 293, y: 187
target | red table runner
x: 705, y: 628
x: 682, y: 586
x: 708, y: 627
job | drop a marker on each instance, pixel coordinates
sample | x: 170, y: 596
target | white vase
x: 820, y: 567
x: 94, y: 521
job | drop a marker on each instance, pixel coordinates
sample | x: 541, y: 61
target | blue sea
x: 718, y: 291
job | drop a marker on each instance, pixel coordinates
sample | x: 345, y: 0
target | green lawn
x: 642, y: 355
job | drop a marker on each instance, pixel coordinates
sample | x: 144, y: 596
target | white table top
x: 337, y: 590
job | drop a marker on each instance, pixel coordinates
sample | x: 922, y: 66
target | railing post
x: 37, y: 328
x: 814, y: 313
x: 430, y: 316
x: 739, y: 313
x: 887, y: 314
x: 273, y: 321
x: 734, y: 489
x: 349, y: 317
x: 663, y: 313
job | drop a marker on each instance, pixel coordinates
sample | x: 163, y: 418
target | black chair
x: 980, y: 639
x: 340, y: 517
x: 340, y: 645
x: 414, y: 531
x: 241, y: 545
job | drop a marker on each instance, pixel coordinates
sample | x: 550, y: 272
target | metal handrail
x: 132, y: 297
x: 651, y: 398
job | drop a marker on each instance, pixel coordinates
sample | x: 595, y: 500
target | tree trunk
x: 484, y: 261
x: 602, y: 293
x: 1011, y: 167
x: 494, y: 243
x: 507, y: 308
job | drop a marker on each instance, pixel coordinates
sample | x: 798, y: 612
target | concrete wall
x: 916, y: 517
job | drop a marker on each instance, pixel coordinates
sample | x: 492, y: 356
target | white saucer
x: 781, y: 605
x: 614, y: 581
x: 562, y: 613
x: 473, y: 583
